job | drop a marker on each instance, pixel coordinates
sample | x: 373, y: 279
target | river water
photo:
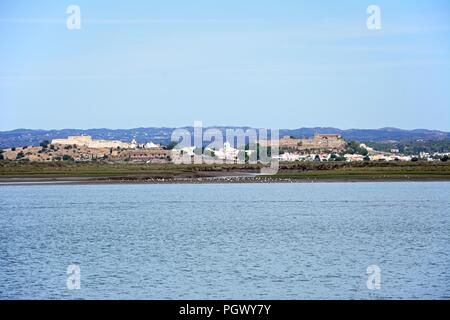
x: 226, y: 241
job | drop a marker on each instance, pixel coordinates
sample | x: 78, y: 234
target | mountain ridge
x: 22, y: 136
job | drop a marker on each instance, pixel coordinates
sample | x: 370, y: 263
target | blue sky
x: 274, y: 64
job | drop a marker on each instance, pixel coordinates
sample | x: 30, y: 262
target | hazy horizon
x: 221, y: 126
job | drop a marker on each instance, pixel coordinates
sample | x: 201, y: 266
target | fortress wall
x: 87, y: 141
x: 319, y: 141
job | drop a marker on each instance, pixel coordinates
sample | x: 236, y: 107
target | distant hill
x: 22, y: 137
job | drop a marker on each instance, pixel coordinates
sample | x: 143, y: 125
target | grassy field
x: 367, y: 171
x: 297, y: 170
x: 102, y: 169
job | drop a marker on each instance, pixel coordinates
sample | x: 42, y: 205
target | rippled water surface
x: 220, y: 241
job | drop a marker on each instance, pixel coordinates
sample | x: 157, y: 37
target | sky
x: 272, y: 64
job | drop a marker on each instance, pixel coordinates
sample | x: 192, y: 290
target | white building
x: 133, y: 144
x: 151, y: 145
x: 353, y: 157
x: 226, y: 153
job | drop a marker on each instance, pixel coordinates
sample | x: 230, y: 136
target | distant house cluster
x: 225, y: 153
x: 321, y: 147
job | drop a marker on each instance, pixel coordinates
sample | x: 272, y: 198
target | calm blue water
x: 259, y: 241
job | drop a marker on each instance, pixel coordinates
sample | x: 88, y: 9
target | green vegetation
x: 44, y: 144
x: 102, y: 169
x: 67, y: 158
x: 413, y: 147
x: 314, y: 170
x: 366, y: 171
x: 355, y: 148
x: 336, y: 157
x: 20, y: 155
x: 171, y: 145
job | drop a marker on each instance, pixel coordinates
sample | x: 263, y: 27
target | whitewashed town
x: 320, y: 147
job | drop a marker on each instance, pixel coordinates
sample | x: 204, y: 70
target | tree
x: 20, y: 155
x: 171, y: 145
x: 66, y: 157
x: 44, y: 144
x: 355, y: 148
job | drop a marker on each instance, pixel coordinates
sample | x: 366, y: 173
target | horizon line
x: 225, y: 126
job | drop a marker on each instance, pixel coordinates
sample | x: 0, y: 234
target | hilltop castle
x: 318, y: 142
x: 87, y: 141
